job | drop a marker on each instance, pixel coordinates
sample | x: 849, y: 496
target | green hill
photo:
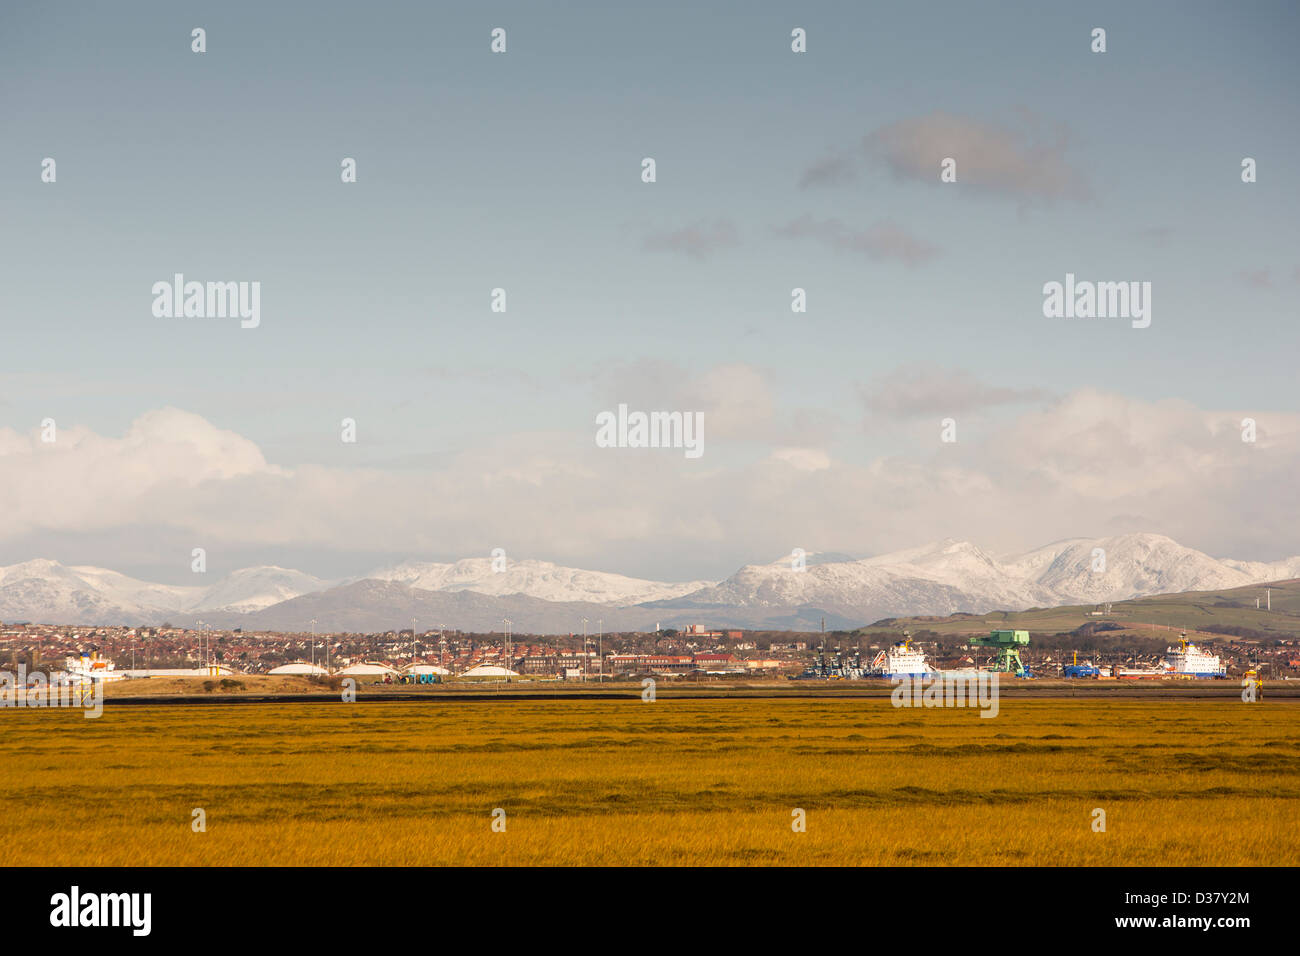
x: 1229, y: 612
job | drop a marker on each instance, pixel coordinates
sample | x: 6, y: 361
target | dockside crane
x: 1008, y: 644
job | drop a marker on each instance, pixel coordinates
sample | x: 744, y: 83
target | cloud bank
x: 1086, y: 463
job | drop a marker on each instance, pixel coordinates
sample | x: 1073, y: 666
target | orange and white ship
x: 89, y: 668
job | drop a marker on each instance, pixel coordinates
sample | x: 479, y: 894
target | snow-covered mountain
x: 952, y: 576
x: 43, y: 590
x: 1257, y: 571
x: 47, y: 591
x: 1080, y: 570
x: 941, y: 578
x: 251, y: 589
x: 538, y: 579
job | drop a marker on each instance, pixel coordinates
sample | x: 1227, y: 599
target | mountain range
x: 544, y: 598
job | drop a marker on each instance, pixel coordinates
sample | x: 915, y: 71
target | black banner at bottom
x: 145, y: 906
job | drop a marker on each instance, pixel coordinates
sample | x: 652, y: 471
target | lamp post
x: 584, y: 650
x: 600, y: 649
x: 507, y: 622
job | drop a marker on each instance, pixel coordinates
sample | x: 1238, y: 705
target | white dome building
x: 489, y: 670
x: 368, y: 669
x: 427, y: 669
x: 297, y: 668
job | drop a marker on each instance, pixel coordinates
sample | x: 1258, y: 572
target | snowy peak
x: 1258, y: 571
x: 951, y: 561
x: 942, y: 577
x: 539, y: 579
x: 251, y: 589
x: 1116, y: 568
x: 950, y: 552
x: 47, y: 591
x: 953, y: 575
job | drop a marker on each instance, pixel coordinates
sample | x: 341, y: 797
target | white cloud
x: 699, y: 240
x: 83, y: 481
x: 804, y: 459
x: 883, y: 240
x: 928, y: 390
x: 736, y: 399
x: 1091, y: 463
x: 1016, y: 160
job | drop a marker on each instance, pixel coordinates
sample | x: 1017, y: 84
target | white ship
x: 89, y: 669
x: 1188, y: 660
x: 901, y: 660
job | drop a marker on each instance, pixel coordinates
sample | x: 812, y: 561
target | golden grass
x: 673, y: 782
x: 194, y: 686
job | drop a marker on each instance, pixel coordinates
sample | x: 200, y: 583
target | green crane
x: 1008, y: 644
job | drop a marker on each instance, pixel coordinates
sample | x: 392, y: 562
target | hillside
x: 1202, y: 613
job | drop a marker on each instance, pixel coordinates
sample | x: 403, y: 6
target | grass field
x: 672, y: 782
x: 261, y: 687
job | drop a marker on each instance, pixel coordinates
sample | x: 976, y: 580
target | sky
x: 522, y: 170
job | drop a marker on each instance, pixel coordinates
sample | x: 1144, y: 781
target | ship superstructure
x: 901, y: 660
x: 89, y: 668
x: 1188, y: 660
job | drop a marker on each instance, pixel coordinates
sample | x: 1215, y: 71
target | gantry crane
x: 1008, y: 644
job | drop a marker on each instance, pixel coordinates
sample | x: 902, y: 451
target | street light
x: 600, y: 648
x: 507, y: 622
x: 584, y: 650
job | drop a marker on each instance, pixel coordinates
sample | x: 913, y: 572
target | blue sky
x: 522, y: 171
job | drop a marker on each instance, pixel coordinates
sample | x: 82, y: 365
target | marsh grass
x: 677, y: 782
